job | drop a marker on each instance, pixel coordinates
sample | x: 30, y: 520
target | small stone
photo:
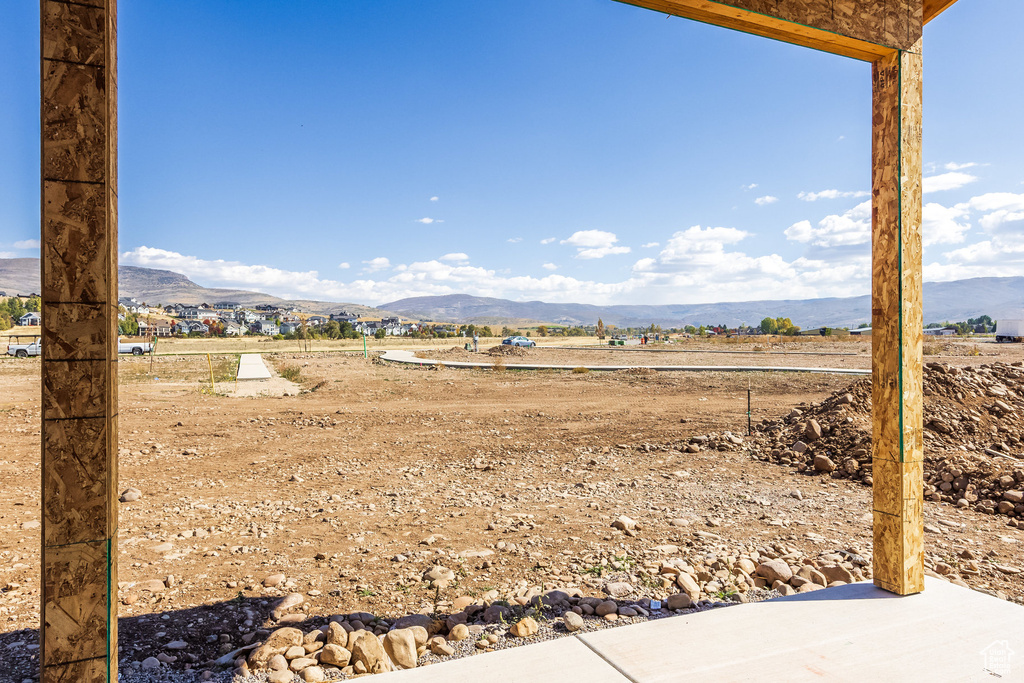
x: 459, y: 632
x: 573, y: 622
x: 799, y: 447
x: 624, y: 523
x: 689, y: 585
x: 282, y: 676
x: 440, y: 647
x: 295, y: 652
x: 301, y: 663
x: 605, y: 608
x: 277, y: 643
x: 130, y: 495
x: 618, y: 589
x: 278, y: 663
x: 525, y: 628
x: 176, y: 645
x: 273, y: 581
x: 812, y: 431
x: 150, y: 663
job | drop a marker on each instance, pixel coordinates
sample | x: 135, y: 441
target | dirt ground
x: 374, y: 473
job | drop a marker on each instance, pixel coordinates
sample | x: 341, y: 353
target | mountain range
x: 957, y: 300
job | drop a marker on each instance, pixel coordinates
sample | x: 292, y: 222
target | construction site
x: 824, y: 510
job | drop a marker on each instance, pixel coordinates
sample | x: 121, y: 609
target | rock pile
x: 508, y: 350
x: 974, y: 426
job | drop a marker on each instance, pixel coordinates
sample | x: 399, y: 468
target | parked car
x: 21, y: 346
x: 518, y: 341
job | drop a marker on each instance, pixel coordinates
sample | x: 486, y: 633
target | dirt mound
x: 974, y: 424
x: 508, y: 351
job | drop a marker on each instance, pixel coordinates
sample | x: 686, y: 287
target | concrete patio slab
x: 565, y: 659
x: 251, y: 366
x: 401, y: 356
x: 848, y: 633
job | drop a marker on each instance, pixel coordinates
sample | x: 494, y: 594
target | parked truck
x: 1010, y: 331
x: 21, y: 346
x: 136, y: 348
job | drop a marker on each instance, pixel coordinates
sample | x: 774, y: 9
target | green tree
x: 542, y: 331
x: 5, y: 320
x: 485, y: 331
x: 769, y: 326
x: 15, y: 308
x: 35, y: 304
x: 380, y: 333
x: 129, y: 326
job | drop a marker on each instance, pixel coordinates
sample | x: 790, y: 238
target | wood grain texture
x: 78, y: 111
x: 933, y: 8
x: 860, y: 29
x: 897, y: 337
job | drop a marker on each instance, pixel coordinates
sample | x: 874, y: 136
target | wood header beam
x: 861, y: 29
x: 933, y: 8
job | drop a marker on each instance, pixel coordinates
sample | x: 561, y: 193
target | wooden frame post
x: 78, y: 624
x: 896, y: 320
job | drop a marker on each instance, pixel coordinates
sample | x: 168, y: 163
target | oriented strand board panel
x: 861, y: 29
x: 78, y: 634
x: 897, y: 334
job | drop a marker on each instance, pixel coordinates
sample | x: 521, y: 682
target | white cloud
x: 27, y: 244
x: 514, y: 240
x: 376, y: 264
x: 836, y: 230
x: 952, y: 166
x: 751, y: 186
x: 547, y: 240
x: 650, y: 245
x: 831, y: 194
x: 458, y: 256
x: 549, y: 266
x: 947, y: 181
x: 594, y: 244
x: 427, y: 221
x: 999, y: 208
x: 767, y: 199
x: 344, y: 265
x: 434, y: 199
x: 942, y: 225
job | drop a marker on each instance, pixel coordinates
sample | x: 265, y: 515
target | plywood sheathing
x: 78, y: 634
x: 861, y: 29
x: 897, y: 334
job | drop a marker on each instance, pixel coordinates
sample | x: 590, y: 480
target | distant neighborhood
x: 231, y: 319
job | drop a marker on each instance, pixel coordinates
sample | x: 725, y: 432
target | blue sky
x: 580, y: 150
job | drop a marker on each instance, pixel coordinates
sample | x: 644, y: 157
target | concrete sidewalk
x: 850, y: 633
x: 410, y: 358
x: 251, y: 366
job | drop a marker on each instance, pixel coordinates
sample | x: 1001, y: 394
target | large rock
x: 689, y: 585
x: 459, y: 632
x: 774, y: 570
x: 837, y: 573
x: 606, y: 607
x: 524, y: 628
x: 313, y: 674
x: 823, y: 464
x: 335, y: 655
x: 277, y: 643
x: 369, y: 652
x: 336, y: 634
x: 573, y: 621
x: 679, y: 601
x: 812, y: 431
x: 400, y: 645
x: 618, y: 589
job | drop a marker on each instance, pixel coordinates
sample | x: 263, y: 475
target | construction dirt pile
x: 507, y: 351
x: 974, y: 426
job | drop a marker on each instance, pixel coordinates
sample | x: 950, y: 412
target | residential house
x: 316, y: 320
x: 268, y: 327
x: 30, y: 318
x: 948, y: 331
x: 290, y: 326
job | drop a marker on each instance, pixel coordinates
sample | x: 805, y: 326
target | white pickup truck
x: 136, y: 348
x: 22, y: 346
x: 1010, y: 331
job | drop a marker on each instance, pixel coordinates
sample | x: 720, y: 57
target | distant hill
x: 958, y: 300
x: 152, y: 286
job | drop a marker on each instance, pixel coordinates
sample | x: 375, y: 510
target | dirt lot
x: 356, y: 487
